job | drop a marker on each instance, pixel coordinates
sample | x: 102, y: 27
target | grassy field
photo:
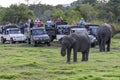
x: 24, y: 62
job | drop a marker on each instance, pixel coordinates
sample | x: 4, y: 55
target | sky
x: 7, y: 3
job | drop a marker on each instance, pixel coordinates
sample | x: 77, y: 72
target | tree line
x: 90, y: 10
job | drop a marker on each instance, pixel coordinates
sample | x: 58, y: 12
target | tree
x: 114, y: 7
x: 72, y: 16
x: 2, y: 12
x: 58, y: 13
x: 87, y: 11
x: 15, y: 13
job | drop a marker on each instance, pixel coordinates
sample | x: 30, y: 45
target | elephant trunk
x: 63, y: 52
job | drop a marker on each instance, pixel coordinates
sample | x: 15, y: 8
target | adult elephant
x: 79, y: 42
x: 104, y: 35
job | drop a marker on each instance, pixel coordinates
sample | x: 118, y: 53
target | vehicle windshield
x: 94, y: 30
x: 14, y: 32
x: 38, y: 31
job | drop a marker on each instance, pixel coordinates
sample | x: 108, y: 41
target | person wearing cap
x: 82, y: 21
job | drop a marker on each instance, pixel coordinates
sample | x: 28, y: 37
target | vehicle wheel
x: 48, y: 44
x: 34, y: 44
x: 2, y: 40
x: 51, y: 38
x: 11, y: 41
x: 93, y: 45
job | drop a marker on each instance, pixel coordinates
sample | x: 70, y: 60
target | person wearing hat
x: 82, y: 21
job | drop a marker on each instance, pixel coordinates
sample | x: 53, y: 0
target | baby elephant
x: 79, y: 42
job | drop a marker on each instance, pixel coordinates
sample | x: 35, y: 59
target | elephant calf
x: 79, y: 42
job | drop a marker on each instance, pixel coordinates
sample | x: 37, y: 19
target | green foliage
x: 41, y: 11
x: 15, y: 13
x: 74, y: 16
x: 90, y: 10
x: 114, y: 7
x: 57, y: 14
x: 87, y: 12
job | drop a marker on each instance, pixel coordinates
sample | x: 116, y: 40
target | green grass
x: 24, y: 62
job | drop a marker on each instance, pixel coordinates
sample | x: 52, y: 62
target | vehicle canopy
x: 9, y: 26
x: 60, y: 23
x: 4, y: 28
x: 90, y: 25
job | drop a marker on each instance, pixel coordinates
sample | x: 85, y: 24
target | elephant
x: 104, y: 35
x: 79, y: 42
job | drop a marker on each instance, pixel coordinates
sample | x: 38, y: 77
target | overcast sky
x: 7, y: 3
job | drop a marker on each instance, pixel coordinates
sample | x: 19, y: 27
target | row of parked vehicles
x: 44, y: 35
x: 61, y: 29
x: 33, y: 36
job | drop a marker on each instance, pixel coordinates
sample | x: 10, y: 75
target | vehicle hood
x: 41, y: 36
x: 13, y: 35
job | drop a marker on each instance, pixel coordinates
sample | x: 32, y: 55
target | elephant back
x: 81, y: 41
x: 104, y: 31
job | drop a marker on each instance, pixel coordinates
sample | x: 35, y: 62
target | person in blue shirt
x: 21, y: 26
x: 82, y: 21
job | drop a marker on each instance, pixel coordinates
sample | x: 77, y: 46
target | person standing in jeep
x: 31, y: 24
x: 21, y: 27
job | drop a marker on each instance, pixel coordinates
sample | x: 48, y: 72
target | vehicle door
x: 7, y: 35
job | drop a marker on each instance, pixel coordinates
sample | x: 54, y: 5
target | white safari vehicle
x: 12, y: 35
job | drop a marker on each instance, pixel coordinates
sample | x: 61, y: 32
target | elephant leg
x: 68, y: 55
x: 100, y: 45
x: 86, y: 57
x: 103, y: 48
x: 75, y: 55
x: 83, y: 56
x: 108, y: 45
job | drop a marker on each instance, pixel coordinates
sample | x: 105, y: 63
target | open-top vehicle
x: 12, y: 34
x: 55, y: 29
x: 38, y: 36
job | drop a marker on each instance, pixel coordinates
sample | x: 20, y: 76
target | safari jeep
x: 38, y: 36
x: 12, y: 35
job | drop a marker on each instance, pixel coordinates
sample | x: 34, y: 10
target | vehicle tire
x: 34, y: 44
x: 2, y: 40
x: 48, y: 44
x: 11, y: 41
x: 51, y: 38
x: 93, y: 45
